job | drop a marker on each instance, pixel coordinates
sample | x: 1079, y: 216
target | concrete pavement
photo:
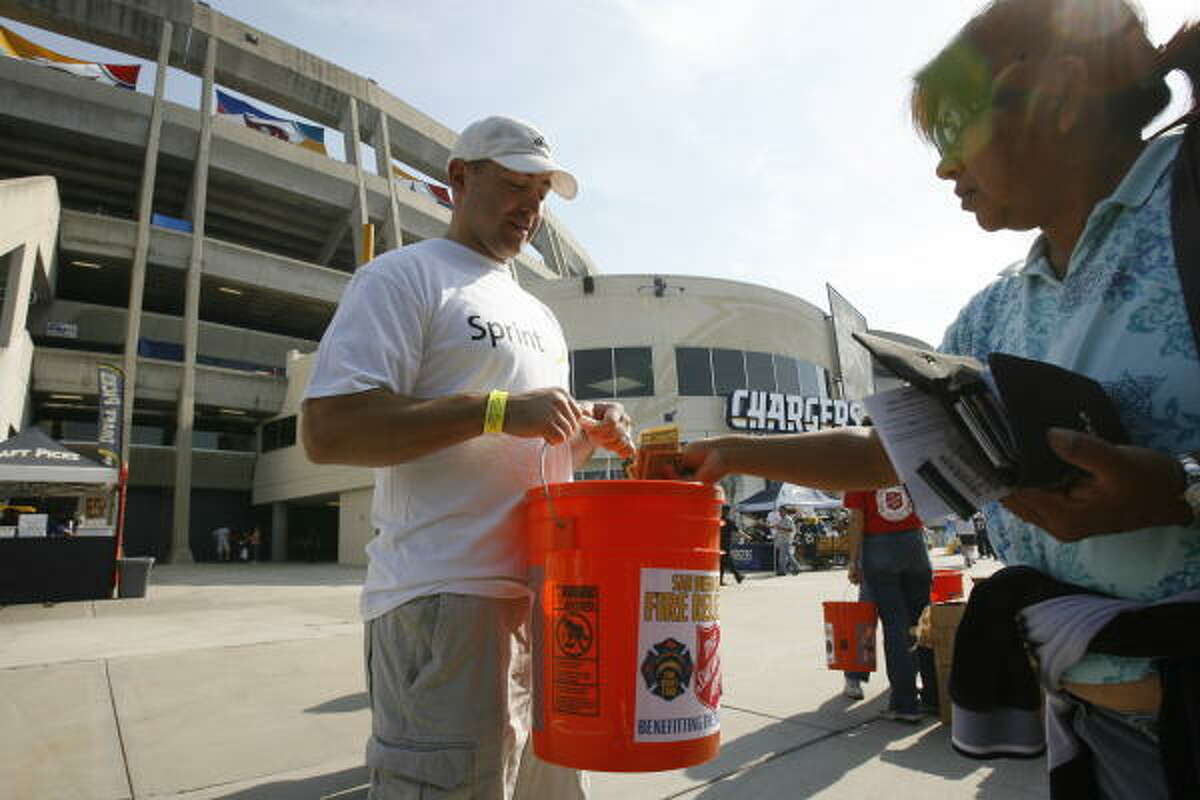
x: 245, y: 681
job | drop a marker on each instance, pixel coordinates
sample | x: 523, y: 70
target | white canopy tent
x: 787, y: 494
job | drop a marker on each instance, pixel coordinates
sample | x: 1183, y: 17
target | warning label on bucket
x: 576, y: 669
x: 679, y: 661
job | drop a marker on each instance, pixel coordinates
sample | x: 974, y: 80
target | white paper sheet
x: 917, y: 430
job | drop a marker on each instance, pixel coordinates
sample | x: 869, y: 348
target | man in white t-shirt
x: 783, y: 530
x: 448, y: 378
x: 965, y: 530
x: 221, y: 538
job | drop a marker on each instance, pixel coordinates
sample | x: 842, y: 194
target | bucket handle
x: 559, y: 522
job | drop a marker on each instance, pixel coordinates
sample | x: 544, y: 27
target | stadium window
x: 592, y: 376
x: 287, y: 431
x: 269, y: 435
x: 812, y: 383
x: 235, y: 441
x: 787, y: 376
x: 633, y: 371
x: 760, y: 371
x: 278, y: 433
x: 729, y: 370
x: 147, y: 434
x: 75, y: 431
x: 693, y: 368
x: 825, y: 378
x: 205, y: 440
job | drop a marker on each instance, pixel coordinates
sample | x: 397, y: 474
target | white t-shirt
x: 783, y: 526
x: 430, y: 320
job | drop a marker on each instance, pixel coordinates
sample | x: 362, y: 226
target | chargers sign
x: 775, y: 412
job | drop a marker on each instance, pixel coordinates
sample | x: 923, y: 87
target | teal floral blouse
x: 1117, y: 316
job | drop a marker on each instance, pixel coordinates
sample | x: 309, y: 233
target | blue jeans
x: 1126, y: 759
x: 898, y: 575
x: 785, y: 560
x: 864, y: 596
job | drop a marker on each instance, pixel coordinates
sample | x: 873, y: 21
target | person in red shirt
x: 888, y: 555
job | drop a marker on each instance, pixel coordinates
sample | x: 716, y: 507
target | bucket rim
x: 623, y: 486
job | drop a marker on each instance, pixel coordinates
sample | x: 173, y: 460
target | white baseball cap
x: 515, y: 145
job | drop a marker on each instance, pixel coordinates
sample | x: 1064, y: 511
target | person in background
x: 852, y: 688
x: 221, y: 537
x: 783, y: 534
x: 888, y: 557
x: 452, y: 381
x: 981, y: 537
x: 729, y: 531
x: 254, y: 539
x: 964, y: 529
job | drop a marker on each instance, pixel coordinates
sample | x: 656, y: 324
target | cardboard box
x: 936, y: 630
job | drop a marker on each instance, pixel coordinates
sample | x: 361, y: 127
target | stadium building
x: 203, y: 249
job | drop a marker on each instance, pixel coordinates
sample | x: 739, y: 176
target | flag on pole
x: 439, y: 194
x: 310, y: 137
x: 14, y: 46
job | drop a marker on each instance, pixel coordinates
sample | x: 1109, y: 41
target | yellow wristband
x: 493, y: 415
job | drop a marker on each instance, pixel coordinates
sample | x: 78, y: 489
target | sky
x: 766, y: 141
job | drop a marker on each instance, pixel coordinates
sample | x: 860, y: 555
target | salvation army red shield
x: 708, y: 665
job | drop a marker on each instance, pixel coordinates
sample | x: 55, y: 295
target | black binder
x: 1006, y: 417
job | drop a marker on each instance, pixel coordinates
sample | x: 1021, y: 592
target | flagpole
x: 124, y: 479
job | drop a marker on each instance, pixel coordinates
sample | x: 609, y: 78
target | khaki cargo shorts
x: 448, y: 679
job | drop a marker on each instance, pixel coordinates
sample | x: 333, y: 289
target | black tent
x: 34, y: 465
x: 52, y: 569
x: 762, y: 500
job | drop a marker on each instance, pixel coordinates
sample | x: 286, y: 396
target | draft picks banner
x: 111, y: 414
x: 679, y: 669
x: 123, y: 75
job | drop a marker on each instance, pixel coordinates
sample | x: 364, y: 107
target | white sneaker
x: 901, y: 716
x: 853, y: 689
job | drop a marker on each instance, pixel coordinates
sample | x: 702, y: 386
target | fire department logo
x: 893, y: 504
x: 708, y: 666
x: 667, y: 668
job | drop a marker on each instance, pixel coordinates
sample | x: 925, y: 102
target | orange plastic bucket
x: 947, y: 585
x: 850, y: 636
x: 626, y: 635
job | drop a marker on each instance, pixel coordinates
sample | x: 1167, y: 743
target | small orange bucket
x: 626, y: 634
x: 947, y: 585
x: 850, y: 635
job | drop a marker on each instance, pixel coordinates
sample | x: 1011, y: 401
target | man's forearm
x: 379, y: 428
x: 838, y: 459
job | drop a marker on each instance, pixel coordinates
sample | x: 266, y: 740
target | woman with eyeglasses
x: 1037, y: 109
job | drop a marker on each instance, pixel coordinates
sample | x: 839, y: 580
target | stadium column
x: 358, y: 215
x: 181, y: 551
x: 382, y: 142
x: 137, y: 274
x: 553, y: 258
x: 16, y: 296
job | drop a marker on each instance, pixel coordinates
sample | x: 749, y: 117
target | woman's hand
x: 1125, y: 488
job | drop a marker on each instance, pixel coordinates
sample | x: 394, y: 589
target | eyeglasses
x: 954, y: 118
